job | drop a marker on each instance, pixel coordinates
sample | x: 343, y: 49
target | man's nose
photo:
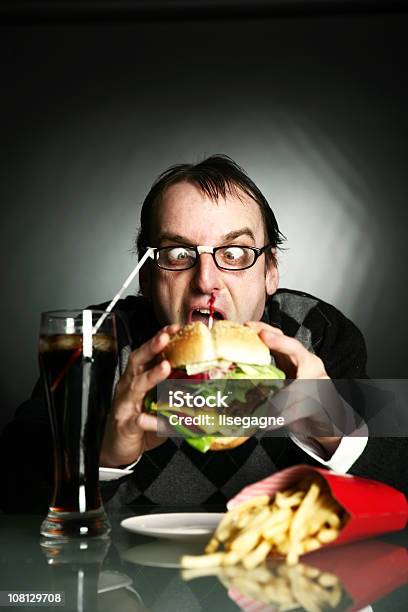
x: 206, y: 276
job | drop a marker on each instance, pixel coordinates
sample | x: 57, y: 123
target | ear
x: 145, y: 280
x: 272, y: 274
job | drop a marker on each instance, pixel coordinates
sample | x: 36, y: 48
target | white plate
x: 112, y: 473
x: 181, y: 526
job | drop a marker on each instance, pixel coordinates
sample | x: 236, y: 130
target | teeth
x: 203, y: 310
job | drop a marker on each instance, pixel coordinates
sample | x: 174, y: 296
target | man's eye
x: 178, y: 254
x: 233, y: 253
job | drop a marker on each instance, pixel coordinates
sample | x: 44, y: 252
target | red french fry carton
x: 373, y: 507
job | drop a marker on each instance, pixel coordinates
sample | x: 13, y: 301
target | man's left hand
x: 290, y: 355
x: 298, y: 363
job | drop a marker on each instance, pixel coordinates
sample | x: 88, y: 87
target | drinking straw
x: 74, y: 356
x: 78, y: 351
x: 87, y: 332
x: 86, y: 385
x: 149, y: 253
x: 85, y: 347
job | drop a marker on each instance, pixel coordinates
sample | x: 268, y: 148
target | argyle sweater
x: 174, y: 472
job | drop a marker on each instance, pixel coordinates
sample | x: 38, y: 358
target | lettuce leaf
x: 265, y: 372
x: 202, y: 444
x: 196, y: 440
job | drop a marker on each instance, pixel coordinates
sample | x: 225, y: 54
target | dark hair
x: 215, y: 176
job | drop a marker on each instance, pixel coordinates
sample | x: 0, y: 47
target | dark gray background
x: 314, y: 108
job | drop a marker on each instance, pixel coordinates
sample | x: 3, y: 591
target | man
x: 200, y: 214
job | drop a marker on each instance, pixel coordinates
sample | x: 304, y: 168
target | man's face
x: 186, y: 216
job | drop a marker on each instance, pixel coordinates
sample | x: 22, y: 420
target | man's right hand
x: 129, y: 431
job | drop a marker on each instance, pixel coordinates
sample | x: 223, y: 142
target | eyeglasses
x: 230, y: 257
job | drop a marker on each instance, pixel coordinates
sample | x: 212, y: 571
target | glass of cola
x: 78, y: 357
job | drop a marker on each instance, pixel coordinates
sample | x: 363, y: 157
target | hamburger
x: 227, y: 352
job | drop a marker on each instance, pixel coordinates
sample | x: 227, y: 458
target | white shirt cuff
x: 126, y: 467
x: 347, y: 452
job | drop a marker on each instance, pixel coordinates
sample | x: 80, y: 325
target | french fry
x: 257, y: 556
x: 316, y: 522
x: 283, y: 547
x: 279, y: 516
x: 296, y: 521
x: 248, y: 537
x: 259, y: 520
x: 333, y: 520
x: 284, y: 501
x: 304, y: 511
x: 295, y: 550
x: 311, y: 544
x: 233, y: 557
x: 246, y: 518
x: 246, y: 541
x: 279, y: 538
x: 232, y: 516
x: 212, y: 546
x: 275, y: 532
x: 327, y: 535
x: 259, y: 500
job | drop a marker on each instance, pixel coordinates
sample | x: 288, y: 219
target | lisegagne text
x: 224, y: 420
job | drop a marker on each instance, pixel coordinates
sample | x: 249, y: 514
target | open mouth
x: 203, y: 315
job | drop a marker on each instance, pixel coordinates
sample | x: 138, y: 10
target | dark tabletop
x: 131, y: 572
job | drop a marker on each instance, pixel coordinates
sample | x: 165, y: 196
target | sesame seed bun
x: 227, y: 340
x: 192, y: 344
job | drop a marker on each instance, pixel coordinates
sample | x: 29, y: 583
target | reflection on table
x: 131, y: 572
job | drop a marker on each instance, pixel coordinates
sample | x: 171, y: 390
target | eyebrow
x: 245, y: 231
x: 177, y: 238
